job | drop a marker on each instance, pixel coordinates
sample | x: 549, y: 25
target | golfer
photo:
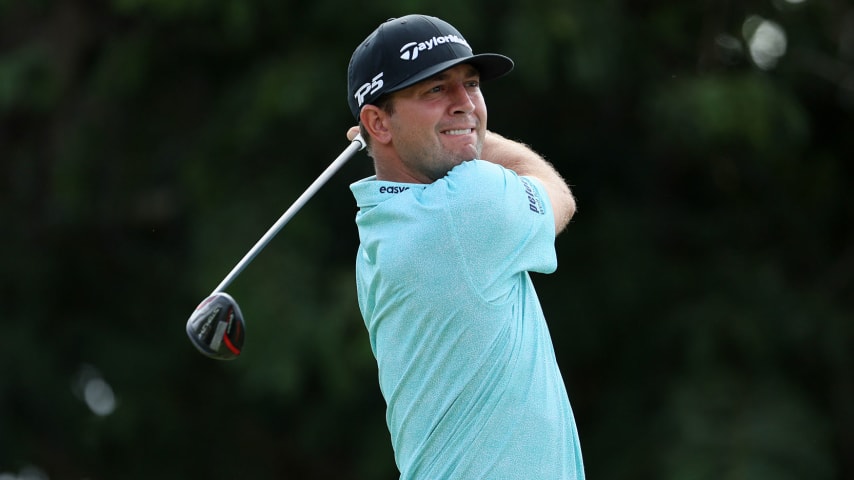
x: 449, y: 227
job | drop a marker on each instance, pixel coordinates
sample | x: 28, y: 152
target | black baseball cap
x: 403, y: 51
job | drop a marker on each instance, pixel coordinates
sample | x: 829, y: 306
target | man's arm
x: 524, y: 161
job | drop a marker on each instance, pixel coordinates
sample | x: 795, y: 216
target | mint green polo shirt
x: 464, y: 355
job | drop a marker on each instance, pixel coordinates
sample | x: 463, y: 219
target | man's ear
x: 375, y: 122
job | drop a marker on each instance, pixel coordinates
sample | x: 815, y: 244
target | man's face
x: 439, y: 123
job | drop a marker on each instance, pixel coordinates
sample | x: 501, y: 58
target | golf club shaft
x: 357, y: 144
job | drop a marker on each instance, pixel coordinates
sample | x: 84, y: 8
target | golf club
x: 216, y: 328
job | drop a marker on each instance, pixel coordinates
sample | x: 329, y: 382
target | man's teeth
x: 465, y: 131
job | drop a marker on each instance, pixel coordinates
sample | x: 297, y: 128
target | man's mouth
x: 459, y: 131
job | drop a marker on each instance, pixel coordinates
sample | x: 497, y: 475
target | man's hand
x: 351, y: 134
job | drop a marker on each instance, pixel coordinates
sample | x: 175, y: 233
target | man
x: 450, y: 226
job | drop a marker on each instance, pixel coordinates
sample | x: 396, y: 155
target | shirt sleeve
x: 502, y: 224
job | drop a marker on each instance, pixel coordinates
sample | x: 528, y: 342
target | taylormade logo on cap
x: 404, y: 51
x: 411, y: 49
x: 407, y: 52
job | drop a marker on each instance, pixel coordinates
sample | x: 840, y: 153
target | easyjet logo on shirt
x: 393, y: 190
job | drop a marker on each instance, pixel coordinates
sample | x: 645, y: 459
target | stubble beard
x: 445, y: 160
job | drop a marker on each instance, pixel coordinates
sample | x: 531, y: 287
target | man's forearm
x: 521, y: 159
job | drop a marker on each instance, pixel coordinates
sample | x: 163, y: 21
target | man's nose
x: 462, y: 101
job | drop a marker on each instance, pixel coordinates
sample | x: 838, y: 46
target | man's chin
x: 472, y: 152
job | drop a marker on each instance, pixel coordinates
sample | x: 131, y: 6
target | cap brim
x: 489, y: 65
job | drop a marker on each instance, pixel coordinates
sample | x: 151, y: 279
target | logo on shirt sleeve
x: 534, y: 201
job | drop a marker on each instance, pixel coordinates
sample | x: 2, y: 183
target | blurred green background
x: 702, y: 313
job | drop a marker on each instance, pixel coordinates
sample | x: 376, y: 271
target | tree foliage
x: 702, y: 312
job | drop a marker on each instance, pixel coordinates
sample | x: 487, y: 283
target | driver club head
x: 216, y: 327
